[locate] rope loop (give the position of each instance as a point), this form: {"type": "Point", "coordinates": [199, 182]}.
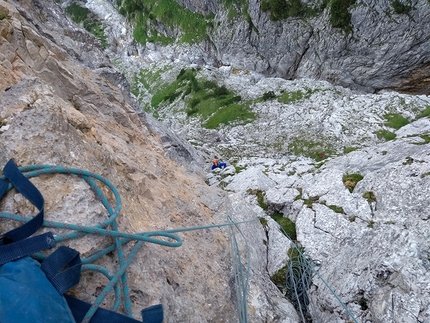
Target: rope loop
{"type": "Point", "coordinates": [109, 228]}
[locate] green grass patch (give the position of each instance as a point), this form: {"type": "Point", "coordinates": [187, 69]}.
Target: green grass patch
{"type": "Point", "coordinates": [236, 8]}
{"type": "Point", "coordinates": [423, 114]}
{"type": "Point", "coordinates": [426, 139]}
{"type": "Point", "coordinates": [369, 196]}
{"type": "Point", "coordinates": [317, 150]}
{"type": "Point", "coordinates": [150, 13]}
{"type": "Point", "coordinates": [290, 97]}
{"type": "Point", "coordinates": [260, 198]}
{"type": "Point", "coordinates": [149, 79]}
{"type": "Point", "coordinates": [385, 134]}
{"type": "Point", "coordinates": [144, 33]}
{"type": "Point", "coordinates": [310, 201]}
{"type": "Point", "coordinates": [395, 121]}
{"type": "Point", "coordinates": [83, 16]}
{"type": "Point", "coordinates": [347, 150]}
{"type": "Point", "coordinates": [279, 278]}
{"type": "Point", "coordinates": [336, 208]}
{"type": "Point", "coordinates": [288, 226]}
{"type": "Point", "coordinates": [299, 197]}
{"type": "Point", "coordinates": [351, 180]}
{"type": "Point", "coordinates": [239, 168]}
{"type": "Point", "coordinates": [213, 104]}
{"type": "Point", "coordinates": [233, 113]}
{"type": "Point", "coordinates": [425, 174]}
{"type": "Point", "coordinates": [408, 160]}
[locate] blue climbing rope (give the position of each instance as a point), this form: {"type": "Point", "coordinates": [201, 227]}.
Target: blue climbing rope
{"type": "Point", "coordinates": [241, 270]}
{"type": "Point", "coordinates": [109, 228]}
{"type": "Point", "coordinates": [298, 280]}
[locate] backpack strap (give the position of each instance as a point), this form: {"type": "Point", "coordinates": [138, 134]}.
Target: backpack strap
{"type": "Point", "coordinates": [31, 193]}
{"type": "Point", "coordinates": [153, 314]}
{"type": "Point", "coordinates": [15, 243]}
{"type": "Point", "coordinates": [63, 268]}
{"type": "Point", "coordinates": [26, 247]}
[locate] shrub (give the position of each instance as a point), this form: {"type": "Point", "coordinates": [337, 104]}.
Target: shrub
{"type": "Point", "coordinates": [194, 102]}
{"type": "Point", "coordinates": [270, 95]}
{"type": "Point", "coordinates": [339, 14]}
{"type": "Point", "coordinates": [214, 104]}
{"type": "Point", "coordinates": [192, 111]}
{"type": "Point", "coordinates": [263, 222]}
{"type": "Point", "coordinates": [81, 15]}
{"type": "Point", "coordinates": [351, 180]}
{"type": "Point", "coordinates": [408, 160]}
{"type": "Point", "coordinates": [401, 8]}
{"type": "Point", "coordinates": [425, 174]}
{"type": "Point", "coordinates": [283, 9]}
{"type": "Point", "coordinates": [363, 304]}
{"type": "Point", "coordinates": [209, 84]}
{"type": "Point", "coordinates": [369, 196]}
{"type": "Point", "coordinates": [222, 90]}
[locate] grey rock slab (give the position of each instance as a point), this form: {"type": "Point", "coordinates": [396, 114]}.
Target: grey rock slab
{"type": "Point", "coordinates": [252, 178]}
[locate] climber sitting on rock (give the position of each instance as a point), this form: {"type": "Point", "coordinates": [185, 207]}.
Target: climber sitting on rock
{"type": "Point", "coordinates": [218, 164]}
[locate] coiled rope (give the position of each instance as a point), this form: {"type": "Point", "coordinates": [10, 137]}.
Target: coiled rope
{"type": "Point", "coordinates": [298, 280]}
{"type": "Point", "coordinates": [109, 228]}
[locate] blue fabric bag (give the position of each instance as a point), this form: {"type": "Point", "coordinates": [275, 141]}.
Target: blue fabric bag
{"type": "Point", "coordinates": [26, 295]}
{"type": "Point", "coordinates": [31, 292]}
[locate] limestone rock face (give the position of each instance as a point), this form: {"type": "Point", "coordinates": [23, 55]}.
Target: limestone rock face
{"type": "Point", "coordinates": [369, 245]}
{"type": "Point", "coordinates": [381, 48]}
{"type": "Point", "coordinates": [378, 242]}
{"type": "Point", "coordinates": [62, 103]}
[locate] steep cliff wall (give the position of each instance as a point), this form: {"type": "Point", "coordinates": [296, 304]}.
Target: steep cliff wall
{"type": "Point", "coordinates": [367, 45]}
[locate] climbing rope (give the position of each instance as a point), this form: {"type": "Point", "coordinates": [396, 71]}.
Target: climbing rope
{"type": "Point", "coordinates": [241, 276]}
{"type": "Point", "coordinates": [299, 276]}
{"type": "Point", "coordinates": [109, 228]}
